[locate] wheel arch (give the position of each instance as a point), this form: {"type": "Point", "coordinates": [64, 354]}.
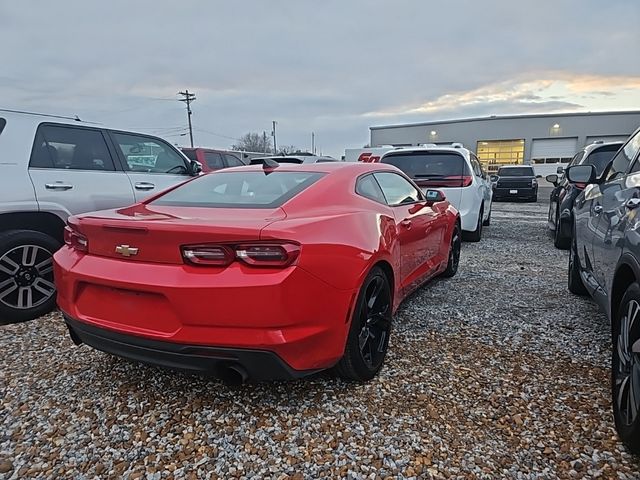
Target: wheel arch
{"type": "Point", "coordinates": [43, 222]}
{"type": "Point", "coordinates": [627, 272]}
{"type": "Point", "coordinates": [386, 267]}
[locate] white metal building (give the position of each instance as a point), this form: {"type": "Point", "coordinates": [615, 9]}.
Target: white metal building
{"type": "Point", "coordinates": [545, 139]}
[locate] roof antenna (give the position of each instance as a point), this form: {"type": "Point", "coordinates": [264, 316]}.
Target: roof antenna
{"type": "Point", "coordinates": [77, 119]}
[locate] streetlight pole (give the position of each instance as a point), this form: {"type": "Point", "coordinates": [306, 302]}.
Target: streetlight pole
{"type": "Point", "coordinates": [275, 144]}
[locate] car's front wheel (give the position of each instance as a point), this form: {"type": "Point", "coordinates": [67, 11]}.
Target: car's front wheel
{"type": "Point", "coordinates": [454, 252]}
{"type": "Point", "coordinates": [574, 281]}
{"type": "Point", "coordinates": [27, 290]}
{"type": "Point", "coordinates": [625, 369]}
{"type": "Point", "coordinates": [368, 337]}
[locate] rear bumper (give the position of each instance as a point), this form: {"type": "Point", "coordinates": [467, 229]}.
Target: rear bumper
{"type": "Point", "coordinates": [258, 364]}
{"type": "Point", "coordinates": [520, 193]}
{"type": "Point", "coordinates": [290, 313]}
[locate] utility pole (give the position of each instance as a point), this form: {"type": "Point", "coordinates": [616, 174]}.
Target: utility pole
{"type": "Point", "coordinates": [275, 144]}
{"type": "Point", "coordinates": [264, 141]}
{"type": "Point", "coordinates": [188, 98]}
{"type": "Point", "coordinates": [313, 143]}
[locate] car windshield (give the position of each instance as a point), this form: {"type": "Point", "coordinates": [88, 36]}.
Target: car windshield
{"type": "Point", "coordinates": [601, 157]}
{"type": "Point", "coordinates": [516, 172]}
{"type": "Point", "coordinates": [253, 189]}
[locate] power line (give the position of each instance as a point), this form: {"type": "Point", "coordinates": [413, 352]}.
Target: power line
{"type": "Point", "coordinates": [188, 98]}
{"type": "Point", "coordinates": [217, 134]}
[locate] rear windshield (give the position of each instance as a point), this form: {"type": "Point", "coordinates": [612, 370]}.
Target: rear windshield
{"type": "Point", "coordinates": [431, 169]}
{"type": "Point", "coordinates": [516, 172]}
{"type": "Point", "coordinates": [601, 157]}
{"type": "Point", "coordinates": [190, 154]}
{"type": "Point", "coordinates": [239, 190]}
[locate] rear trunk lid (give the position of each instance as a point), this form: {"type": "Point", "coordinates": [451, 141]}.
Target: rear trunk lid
{"type": "Point", "coordinates": [145, 233]}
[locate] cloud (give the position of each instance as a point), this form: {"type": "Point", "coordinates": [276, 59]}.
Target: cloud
{"type": "Point", "coordinates": [331, 67]}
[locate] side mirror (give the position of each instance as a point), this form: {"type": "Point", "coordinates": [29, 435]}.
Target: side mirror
{"type": "Point", "coordinates": [434, 196]}
{"type": "Point", "coordinates": [559, 170]}
{"type": "Point", "coordinates": [196, 167]}
{"type": "Point", "coordinates": [552, 179]}
{"type": "Point", "coordinates": [493, 178]}
{"type": "Point", "coordinates": [581, 174]}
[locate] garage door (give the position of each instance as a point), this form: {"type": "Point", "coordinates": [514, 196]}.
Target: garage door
{"type": "Point", "coordinates": [554, 148]}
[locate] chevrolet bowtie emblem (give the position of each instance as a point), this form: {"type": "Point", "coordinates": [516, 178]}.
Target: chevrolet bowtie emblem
{"type": "Point", "coordinates": [126, 250]}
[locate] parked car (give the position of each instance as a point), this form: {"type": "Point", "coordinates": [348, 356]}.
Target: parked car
{"type": "Point", "coordinates": [212, 160]}
{"type": "Point", "coordinates": [53, 167]}
{"type": "Point", "coordinates": [560, 217]}
{"type": "Point", "coordinates": [265, 272]}
{"type": "Point", "coordinates": [604, 261]}
{"type": "Point", "coordinates": [454, 170]}
{"type": "Point", "coordinates": [298, 158]}
{"type": "Point", "coordinates": [515, 182]}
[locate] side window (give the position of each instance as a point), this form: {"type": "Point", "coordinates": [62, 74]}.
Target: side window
{"type": "Point", "coordinates": [70, 148]}
{"type": "Point", "coordinates": [577, 158]}
{"type": "Point", "coordinates": [233, 161]}
{"type": "Point", "coordinates": [368, 187]}
{"type": "Point", "coordinates": [213, 160]}
{"type": "Point", "coordinates": [396, 189]}
{"type": "Point", "coordinates": [145, 154]}
{"type": "Point", "coordinates": [482, 172]}
{"type": "Point", "coordinates": [623, 158]}
{"type": "Point", "coordinates": [476, 167]}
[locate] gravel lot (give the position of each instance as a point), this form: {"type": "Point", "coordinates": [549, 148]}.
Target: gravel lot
{"type": "Point", "coordinates": [497, 373]}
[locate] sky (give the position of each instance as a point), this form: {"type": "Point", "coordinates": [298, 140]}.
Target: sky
{"type": "Point", "coordinates": [333, 67]}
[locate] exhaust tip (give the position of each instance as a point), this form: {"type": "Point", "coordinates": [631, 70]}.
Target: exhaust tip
{"type": "Point", "coordinates": [233, 374]}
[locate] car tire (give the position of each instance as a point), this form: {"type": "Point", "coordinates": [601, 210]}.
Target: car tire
{"type": "Point", "coordinates": [559, 241]}
{"type": "Point", "coordinates": [574, 281]}
{"type": "Point", "coordinates": [487, 222]}
{"type": "Point", "coordinates": [26, 275]}
{"type": "Point", "coordinates": [476, 235]}
{"type": "Point", "coordinates": [625, 369]}
{"type": "Point", "coordinates": [368, 338]}
{"type": "Point", "coordinates": [454, 252]}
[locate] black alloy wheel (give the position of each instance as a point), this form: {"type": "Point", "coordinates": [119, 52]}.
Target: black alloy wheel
{"type": "Point", "coordinates": [574, 280]}
{"type": "Point", "coordinates": [625, 369]}
{"type": "Point", "coordinates": [454, 252]}
{"type": "Point", "coordinates": [368, 337]}
{"type": "Point", "coordinates": [27, 289]}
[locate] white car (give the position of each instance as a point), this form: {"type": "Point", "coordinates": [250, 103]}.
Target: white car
{"type": "Point", "coordinates": [455, 171]}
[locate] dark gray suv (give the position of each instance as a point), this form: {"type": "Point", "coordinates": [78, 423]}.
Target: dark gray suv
{"type": "Point", "coordinates": [604, 262]}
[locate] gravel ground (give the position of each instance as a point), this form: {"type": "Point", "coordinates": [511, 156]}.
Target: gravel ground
{"type": "Point", "coordinates": [496, 373]}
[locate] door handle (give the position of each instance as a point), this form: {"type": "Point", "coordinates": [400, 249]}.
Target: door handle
{"type": "Point", "coordinates": [406, 224]}
{"type": "Point", "coordinates": [598, 209]}
{"type": "Point", "coordinates": [58, 186]}
{"type": "Point", "coordinates": [632, 203]}
{"type": "Point", "coordinates": [144, 186]}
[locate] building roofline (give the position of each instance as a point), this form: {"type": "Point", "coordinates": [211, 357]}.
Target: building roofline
{"type": "Point", "coordinates": [506, 117]}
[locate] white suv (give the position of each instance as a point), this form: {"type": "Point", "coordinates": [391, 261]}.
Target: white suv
{"type": "Point", "coordinates": [53, 167]}
{"type": "Point", "coordinates": [455, 171]}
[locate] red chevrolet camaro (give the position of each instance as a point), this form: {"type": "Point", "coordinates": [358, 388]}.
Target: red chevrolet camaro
{"type": "Point", "coordinates": [261, 272]}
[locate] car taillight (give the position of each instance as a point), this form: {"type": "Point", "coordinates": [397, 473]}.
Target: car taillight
{"type": "Point", "coordinates": [258, 254]}
{"type": "Point", "coordinates": [581, 186]}
{"type": "Point", "coordinates": [75, 239]}
{"type": "Point", "coordinates": [214, 255]}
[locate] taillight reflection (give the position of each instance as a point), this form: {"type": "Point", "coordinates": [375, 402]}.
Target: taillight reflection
{"type": "Point", "coordinates": [257, 255]}
{"type": "Point", "coordinates": [75, 239]}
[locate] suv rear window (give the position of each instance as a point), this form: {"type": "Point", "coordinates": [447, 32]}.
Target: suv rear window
{"type": "Point", "coordinates": [516, 172]}
{"type": "Point", "coordinates": [239, 190]}
{"type": "Point", "coordinates": [432, 169]}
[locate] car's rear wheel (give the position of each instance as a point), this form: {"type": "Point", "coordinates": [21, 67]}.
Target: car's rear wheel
{"type": "Point", "coordinates": [454, 253]}
{"type": "Point", "coordinates": [476, 235]}
{"type": "Point", "coordinates": [574, 281]}
{"type": "Point", "coordinates": [368, 337]}
{"type": "Point", "coordinates": [625, 369]}
{"type": "Point", "coordinates": [559, 241]}
{"type": "Point", "coordinates": [27, 290]}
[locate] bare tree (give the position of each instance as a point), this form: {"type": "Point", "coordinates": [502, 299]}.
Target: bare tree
{"type": "Point", "coordinates": [289, 150]}
{"type": "Point", "coordinates": [253, 142]}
